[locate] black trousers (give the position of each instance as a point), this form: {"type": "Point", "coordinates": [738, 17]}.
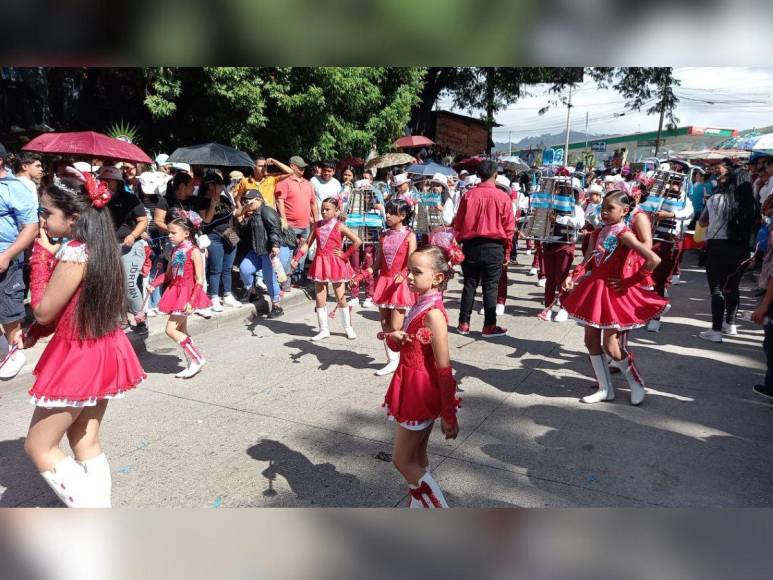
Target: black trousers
{"type": "Point", "coordinates": [724, 269]}
{"type": "Point", "coordinates": [483, 259]}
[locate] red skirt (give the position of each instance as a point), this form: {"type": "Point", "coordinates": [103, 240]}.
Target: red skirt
{"type": "Point", "coordinates": [412, 396]}
{"type": "Point", "coordinates": [593, 303]}
{"type": "Point", "coordinates": [330, 269]}
{"type": "Point", "coordinates": [387, 294]}
{"type": "Point", "coordinates": [81, 372]}
{"type": "Point", "coordinates": [177, 296]}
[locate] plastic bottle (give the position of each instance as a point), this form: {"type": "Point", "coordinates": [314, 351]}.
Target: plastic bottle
{"type": "Point", "coordinates": [279, 270]}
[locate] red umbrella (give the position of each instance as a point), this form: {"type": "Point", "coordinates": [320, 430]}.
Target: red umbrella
{"type": "Point", "coordinates": [87, 143]}
{"type": "Point", "coordinates": [470, 164]}
{"type": "Point", "coordinates": [412, 141]}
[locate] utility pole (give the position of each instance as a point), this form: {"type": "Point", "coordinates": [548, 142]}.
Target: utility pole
{"type": "Point", "coordinates": [568, 115]}
{"type": "Point", "coordinates": [510, 140]}
{"type": "Point", "coordinates": [660, 124]}
{"type": "Point", "coordinates": [586, 130]}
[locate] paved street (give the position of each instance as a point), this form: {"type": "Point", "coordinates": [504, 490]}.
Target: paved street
{"type": "Point", "coordinates": [276, 420]}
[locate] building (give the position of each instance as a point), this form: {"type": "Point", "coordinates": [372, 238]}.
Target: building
{"type": "Point", "coordinates": [462, 135]}
{"type": "Point", "coordinates": [642, 145]}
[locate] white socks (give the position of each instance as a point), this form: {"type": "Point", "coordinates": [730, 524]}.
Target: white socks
{"type": "Point", "coordinates": [632, 377]}
{"type": "Point", "coordinates": [427, 494]}
{"type": "Point", "coordinates": [393, 359]}
{"type": "Point", "coordinates": [100, 482]}
{"type": "Point", "coordinates": [324, 329]}
{"type": "Point", "coordinates": [346, 319]}
{"type": "Point", "coordinates": [606, 391]}
{"type": "Point", "coordinates": [69, 482]}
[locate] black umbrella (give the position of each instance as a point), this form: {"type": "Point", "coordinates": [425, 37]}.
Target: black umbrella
{"type": "Point", "coordinates": [211, 154]}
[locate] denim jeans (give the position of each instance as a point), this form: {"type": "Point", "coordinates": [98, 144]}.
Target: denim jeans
{"type": "Point", "coordinates": [220, 261]}
{"type": "Point", "coordinates": [303, 232]}
{"type": "Point", "coordinates": [251, 264]}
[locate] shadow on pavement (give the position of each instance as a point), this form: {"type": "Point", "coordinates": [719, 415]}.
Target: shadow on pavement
{"type": "Point", "coordinates": [24, 486]}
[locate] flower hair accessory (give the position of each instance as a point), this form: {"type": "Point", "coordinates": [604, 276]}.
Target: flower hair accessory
{"type": "Point", "coordinates": [190, 216]}
{"type": "Point", "coordinates": [98, 192]}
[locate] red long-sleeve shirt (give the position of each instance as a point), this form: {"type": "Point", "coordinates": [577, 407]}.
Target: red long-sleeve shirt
{"type": "Point", "coordinates": [485, 212]}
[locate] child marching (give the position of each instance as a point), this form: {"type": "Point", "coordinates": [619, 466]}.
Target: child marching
{"type": "Point", "coordinates": [330, 266]}
{"type": "Point", "coordinates": [612, 300]}
{"type": "Point", "coordinates": [185, 288]}
{"type": "Point", "coordinates": [391, 293]}
{"type": "Point", "coordinates": [77, 292]}
{"type": "Point", "coordinates": [423, 387]}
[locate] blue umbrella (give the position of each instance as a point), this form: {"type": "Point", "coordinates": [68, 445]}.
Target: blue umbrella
{"type": "Point", "coordinates": [430, 169]}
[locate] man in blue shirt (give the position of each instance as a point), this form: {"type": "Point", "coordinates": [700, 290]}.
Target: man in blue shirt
{"type": "Point", "coordinates": [18, 229]}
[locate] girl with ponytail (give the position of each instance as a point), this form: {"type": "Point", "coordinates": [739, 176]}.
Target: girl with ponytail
{"type": "Point", "coordinates": [77, 292]}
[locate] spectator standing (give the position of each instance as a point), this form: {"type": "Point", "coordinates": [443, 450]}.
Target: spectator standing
{"type": "Point", "coordinates": [326, 185]}
{"type": "Point", "coordinates": [30, 171]}
{"type": "Point", "coordinates": [297, 205]}
{"type": "Point", "coordinates": [264, 182]}
{"type": "Point", "coordinates": [18, 229]}
{"type": "Point", "coordinates": [484, 225]}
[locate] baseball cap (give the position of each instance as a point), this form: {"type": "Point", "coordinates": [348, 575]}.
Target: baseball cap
{"type": "Point", "coordinates": [236, 175]}
{"type": "Point", "coordinates": [149, 182]}
{"type": "Point", "coordinates": [400, 178]}
{"type": "Point", "coordinates": [161, 159]}
{"type": "Point", "coordinates": [110, 172]}
{"type": "Point", "coordinates": [297, 160]}
{"type": "Point", "coordinates": [181, 167]}
{"type": "Point", "coordinates": [251, 194]}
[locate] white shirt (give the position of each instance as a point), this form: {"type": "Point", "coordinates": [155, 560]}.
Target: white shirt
{"type": "Point", "coordinates": [28, 183]}
{"type": "Point", "coordinates": [766, 190]}
{"type": "Point", "coordinates": [325, 189]}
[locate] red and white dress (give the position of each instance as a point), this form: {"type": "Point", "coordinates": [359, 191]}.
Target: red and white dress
{"type": "Point", "coordinates": [326, 266]}
{"type": "Point", "coordinates": [594, 303]}
{"type": "Point", "coordinates": [182, 288]}
{"type": "Point", "coordinates": [414, 395]}
{"type": "Point", "coordinates": [394, 260]}
{"type": "Point", "coordinates": [74, 371]}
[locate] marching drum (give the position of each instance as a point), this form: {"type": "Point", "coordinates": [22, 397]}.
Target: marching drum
{"type": "Point", "coordinates": [555, 197]}
{"type": "Point", "coordinates": [667, 194]}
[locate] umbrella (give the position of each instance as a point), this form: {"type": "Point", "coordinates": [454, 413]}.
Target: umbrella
{"type": "Point", "coordinates": [87, 143]}
{"type": "Point", "coordinates": [513, 163]}
{"type": "Point", "coordinates": [389, 160]}
{"type": "Point", "coordinates": [412, 141]}
{"type": "Point", "coordinates": [430, 169]}
{"type": "Point", "coordinates": [211, 154]}
{"type": "Point", "coordinates": [470, 164]}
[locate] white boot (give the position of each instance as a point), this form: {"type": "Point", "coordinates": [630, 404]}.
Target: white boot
{"type": "Point", "coordinates": [68, 480]}
{"type": "Point", "coordinates": [197, 359]}
{"type": "Point", "coordinates": [430, 493]}
{"type": "Point", "coordinates": [606, 391]}
{"type": "Point", "coordinates": [346, 320]}
{"type": "Point", "coordinates": [98, 475]}
{"type": "Point", "coordinates": [324, 330]}
{"type": "Point", "coordinates": [182, 373]}
{"type": "Point", "coordinates": [391, 366]}
{"type": "Point", "coordinates": [631, 374]}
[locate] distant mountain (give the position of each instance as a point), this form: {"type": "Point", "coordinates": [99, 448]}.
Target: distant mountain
{"type": "Point", "coordinates": [544, 140]}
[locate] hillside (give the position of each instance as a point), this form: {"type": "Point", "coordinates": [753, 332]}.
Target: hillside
{"type": "Point", "coordinates": [545, 139]}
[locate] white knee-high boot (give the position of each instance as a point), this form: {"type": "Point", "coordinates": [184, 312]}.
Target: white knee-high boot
{"type": "Point", "coordinates": [324, 329]}
{"type": "Point", "coordinates": [606, 391]}
{"type": "Point", "coordinates": [346, 320]}
{"type": "Point", "coordinates": [68, 481]}
{"type": "Point", "coordinates": [633, 378]}
{"type": "Point", "coordinates": [393, 359]}
{"type": "Point", "coordinates": [100, 481]}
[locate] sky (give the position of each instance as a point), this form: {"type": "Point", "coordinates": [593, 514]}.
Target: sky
{"type": "Point", "coordinates": [738, 98]}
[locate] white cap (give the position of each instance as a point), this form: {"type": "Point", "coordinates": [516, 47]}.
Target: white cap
{"type": "Point", "coordinates": [361, 183]}
{"type": "Point", "coordinates": [502, 180]}
{"type": "Point", "coordinates": [181, 167]}
{"type": "Point", "coordinates": [471, 180]}
{"type": "Point", "coordinates": [149, 182]}
{"type": "Point", "coordinates": [440, 178]}
{"type": "Point", "coordinates": [110, 172]}
{"type": "Point", "coordinates": [515, 186]}
{"type": "Point", "coordinates": [595, 188]}
{"type": "Point", "coordinates": [576, 184]}
{"type": "Point", "coordinates": [400, 178]}
{"type": "Point", "coordinates": [161, 159]}
{"type": "Point", "coordinates": [82, 166]}
{"type": "Point", "coordinates": [463, 172]}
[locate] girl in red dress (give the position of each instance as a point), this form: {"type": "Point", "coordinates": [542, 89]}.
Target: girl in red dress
{"type": "Point", "coordinates": [185, 288]}
{"type": "Point", "coordinates": [612, 299]}
{"type": "Point", "coordinates": [77, 292]}
{"type": "Point", "coordinates": [423, 387]}
{"type": "Point", "coordinates": [391, 293]}
{"type": "Point", "coordinates": [330, 265]}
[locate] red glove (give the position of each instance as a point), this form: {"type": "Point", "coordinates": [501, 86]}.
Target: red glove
{"type": "Point", "coordinates": [448, 399]}
{"type": "Point", "coordinates": [637, 278]}
{"type": "Point", "coordinates": [198, 290]}
{"type": "Point", "coordinates": [41, 269]}
{"type": "Point", "coordinates": [348, 253]}
{"type": "Point", "coordinates": [579, 272]}
{"type": "Point", "coordinates": [391, 344]}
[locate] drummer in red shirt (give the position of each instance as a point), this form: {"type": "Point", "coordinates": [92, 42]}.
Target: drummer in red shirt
{"type": "Point", "coordinates": [484, 225]}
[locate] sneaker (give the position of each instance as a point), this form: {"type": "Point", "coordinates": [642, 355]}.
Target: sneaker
{"type": "Point", "coordinates": [205, 313]}
{"type": "Point", "coordinates": [13, 365]}
{"type": "Point", "coordinates": [368, 303]}
{"type": "Point", "coordinates": [354, 302]}
{"type": "Point", "coordinates": [217, 306]}
{"type": "Point", "coordinates": [193, 369]}
{"type": "Point", "coordinates": [350, 334]}
{"type": "Point", "coordinates": [276, 311]}
{"type": "Point", "coordinates": [763, 391]}
{"type": "Point", "coordinates": [711, 335]}
{"type": "Point", "coordinates": [541, 282]}
{"type": "Point", "coordinates": [152, 312]}
{"type": "Point", "coordinates": [463, 328]}
{"type": "Point", "coordinates": [653, 325]}
{"type": "Point", "coordinates": [729, 329]}
{"type": "Point", "coordinates": [500, 309]}
{"type": "Point", "coordinates": [547, 317]}
{"type": "Point", "coordinates": [676, 279]}
{"type": "Point", "coordinates": [141, 329]}
{"type": "Point", "coordinates": [561, 316]}
{"type": "Point", "coordinates": [229, 300]}
{"type": "Point", "coordinates": [532, 271]}
{"type": "Point", "coordinates": [493, 330]}
{"type": "Point", "coordinates": [261, 284]}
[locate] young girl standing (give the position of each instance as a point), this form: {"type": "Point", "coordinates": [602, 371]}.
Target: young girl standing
{"type": "Point", "coordinates": [612, 300]}
{"type": "Point", "coordinates": [185, 288]}
{"type": "Point", "coordinates": [391, 293]}
{"type": "Point", "coordinates": [78, 292]}
{"type": "Point", "coordinates": [423, 387]}
{"type": "Point", "coordinates": [330, 265]}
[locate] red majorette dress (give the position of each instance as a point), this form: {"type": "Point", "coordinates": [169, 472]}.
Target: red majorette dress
{"type": "Point", "coordinates": [327, 267]}
{"type": "Point", "coordinates": [394, 260]}
{"type": "Point", "coordinates": [74, 371]}
{"type": "Point", "coordinates": [637, 261]}
{"type": "Point", "coordinates": [593, 303]}
{"type": "Point", "coordinates": [182, 288]}
{"type": "Point", "coordinates": [420, 393]}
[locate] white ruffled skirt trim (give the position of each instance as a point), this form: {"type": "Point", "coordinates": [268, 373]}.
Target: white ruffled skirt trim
{"type": "Point", "coordinates": [47, 403]}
